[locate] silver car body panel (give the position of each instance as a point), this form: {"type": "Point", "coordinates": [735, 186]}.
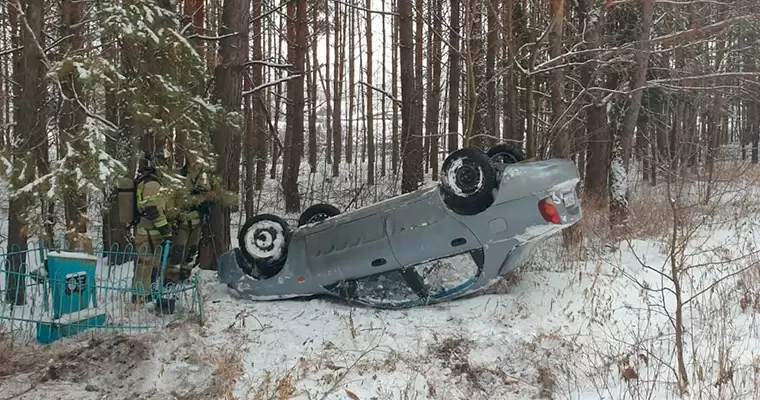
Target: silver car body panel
{"type": "Point", "coordinates": [418, 231]}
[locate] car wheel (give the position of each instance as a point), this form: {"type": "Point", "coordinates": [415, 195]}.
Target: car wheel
{"type": "Point", "coordinates": [468, 179]}
{"type": "Point", "coordinates": [317, 213]}
{"type": "Point", "coordinates": [505, 154]}
{"type": "Point", "coordinates": [264, 240]}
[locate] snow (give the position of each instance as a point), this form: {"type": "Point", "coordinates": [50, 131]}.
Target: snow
{"type": "Point", "coordinates": [80, 317]}
{"type": "Point", "coordinates": [619, 179]}
{"type": "Point", "coordinates": [566, 324]}
{"type": "Point", "coordinates": [261, 243]}
{"type": "Point", "coordinates": [569, 184]}
{"type": "Point", "coordinates": [533, 232]}
{"type": "Point", "coordinates": [449, 178]}
{"type": "Point", "coordinates": [513, 172]}
{"type": "Point", "coordinates": [72, 255]}
{"type": "Point", "coordinates": [572, 321]}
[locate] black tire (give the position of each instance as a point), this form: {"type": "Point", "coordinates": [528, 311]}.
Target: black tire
{"type": "Point", "coordinates": [505, 154]}
{"type": "Point", "coordinates": [317, 213]}
{"type": "Point", "coordinates": [468, 180]}
{"type": "Point", "coordinates": [263, 240]}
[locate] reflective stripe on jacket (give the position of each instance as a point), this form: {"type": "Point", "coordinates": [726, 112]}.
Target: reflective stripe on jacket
{"type": "Point", "coordinates": [152, 207]}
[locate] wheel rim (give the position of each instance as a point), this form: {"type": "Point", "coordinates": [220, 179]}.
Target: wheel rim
{"type": "Point", "coordinates": [317, 218]}
{"type": "Point", "coordinates": [468, 178]}
{"type": "Point", "coordinates": [264, 240]}
{"type": "Point", "coordinates": [503, 158]}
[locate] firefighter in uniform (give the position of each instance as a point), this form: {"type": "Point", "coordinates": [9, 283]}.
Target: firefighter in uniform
{"type": "Point", "coordinates": [187, 223]}
{"type": "Point", "coordinates": [152, 231]}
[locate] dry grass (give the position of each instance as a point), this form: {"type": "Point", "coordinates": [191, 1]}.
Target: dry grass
{"type": "Point", "coordinates": [229, 368]}
{"type": "Point", "coordinates": [649, 217]}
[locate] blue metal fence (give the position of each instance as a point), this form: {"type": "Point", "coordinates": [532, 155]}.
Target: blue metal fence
{"type": "Point", "coordinates": [49, 294]}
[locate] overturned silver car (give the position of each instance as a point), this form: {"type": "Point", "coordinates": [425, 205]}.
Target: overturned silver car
{"type": "Point", "coordinates": [482, 220]}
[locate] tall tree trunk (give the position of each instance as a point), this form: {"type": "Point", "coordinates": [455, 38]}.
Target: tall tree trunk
{"type": "Point", "coordinates": [351, 17]}
{"type": "Point", "coordinates": [276, 48]}
{"type": "Point", "coordinates": [30, 131]}
{"type": "Point", "coordinates": [297, 33]}
{"type": "Point", "coordinates": [228, 92]}
{"type": "Point", "coordinates": [383, 152]}
{"type": "Point", "coordinates": [338, 92]}
{"type": "Point", "coordinates": [258, 103]}
{"type": "Point", "coordinates": [419, 84]}
{"type": "Point", "coordinates": [193, 13]}
{"type": "Point", "coordinates": [429, 85]}
{"type": "Point", "coordinates": [619, 186]}
{"type": "Point", "coordinates": [479, 110]}
{"type": "Point", "coordinates": [492, 47]}
{"type": "Point", "coordinates": [530, 86]}
{"type": "Point", "coordinates": [115, 235]}
{"type": "Point", "coordinates": [453, 78]}
{"type": "Point", "coordinates": [411, 141]}
{"type": "Point", "coordinates": [510, 129]}
{"type": "Point", "coordinates": [249, 142]}
{"type": "Point", "coordinates": [434, 89]}
{"type": "Point", "coordinates": [5, 85]}
{"type": "Point", "coordinates": [370, 120]}
{"type": "Point", "coordinates": [597, 157]}
{"type": "Point", "coordinates": [72, 116]}
{"type": "Point", "coordinates": [314, 65]}
{"type": "Point", "coordinates": [394, 91]}
{"type": "Point", "coordinates": [328, 97]}
{"type": "Point", "coordinates": [560, 135]}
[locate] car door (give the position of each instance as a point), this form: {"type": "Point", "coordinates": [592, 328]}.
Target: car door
{"type": "Point", "coordinates": [422, 231]}
{"type": "Point", "coordinates": [350, 249]}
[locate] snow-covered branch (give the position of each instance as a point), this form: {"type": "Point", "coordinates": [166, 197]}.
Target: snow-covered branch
{"type": "Point", "coordinates": [268, 64]}
{"type": "Point", "coordinates": [269, 84]}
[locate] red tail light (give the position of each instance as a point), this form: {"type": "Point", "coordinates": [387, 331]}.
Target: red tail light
{"type": "Point", "coordinates": [549, 211]}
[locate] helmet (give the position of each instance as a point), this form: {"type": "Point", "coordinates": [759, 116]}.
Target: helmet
{"type": "Point", "coordinates": [151, 161]}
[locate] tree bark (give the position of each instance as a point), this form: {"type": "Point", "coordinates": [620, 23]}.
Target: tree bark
{"type": "Point", "coordinates": [351, 17]}
{"type": "Point", "coordinates": [383, 152]}
{"type": "Point", "coordinates": [337, 129]}
{"type": "Point", "coordinates": [394, 92]}
{"type": "Point", "coordinates": [228, 93]}
{"type": "Point", "coordinates": [511, 121]}
{"type": "Point", "coordinates": [28, 104]}
{"type": "Point", "coordinates": [72, 116]}
{"type": "Point", "coordinates": [560, 136]}
{"type": "Point", "coordinates": [298, 31]}
{"type": "Point", "coordinates": [314, 64]}
{"type": "Point", "coordinates": [479, 110]}
{"type": "Point", "coordinates": [258, 102]}
{"type": "Point", "coordinates": [453, 78]}
{"type": "Point", "coordinates": [434, 89]}
{"type": "Point", "coordinates": [193, 13]}
{"type": "Point", "coordinates": [492, 47]}
{"type": "Point", "coordinates": [328, 97]}
{"type": "Point", "coordinates": [419, 86]}
{"type": "Point", "coordinates": [370, 118]}
{"type": "Point", "coordinates": [410, 137]}
{"type": "Point", "coordinates": [249, 145]}
{"type": "Point", "coordinates": [619, 186]}
{"type": "Point", "coordinates": [597, 151]}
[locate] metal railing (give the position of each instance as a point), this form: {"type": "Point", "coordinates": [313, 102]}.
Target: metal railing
{"type": "Point", "coordinates": [49, 294]}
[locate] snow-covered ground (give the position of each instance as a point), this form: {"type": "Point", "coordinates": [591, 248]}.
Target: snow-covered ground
{"type": "Point", "coordinates": [582, 324]}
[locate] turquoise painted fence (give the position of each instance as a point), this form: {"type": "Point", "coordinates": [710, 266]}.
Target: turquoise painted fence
{"type": "Point", "coordinates": [48, 294]}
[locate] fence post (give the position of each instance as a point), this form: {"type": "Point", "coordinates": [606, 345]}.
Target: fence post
{"type": "Point", "coordinates": [199, 294]}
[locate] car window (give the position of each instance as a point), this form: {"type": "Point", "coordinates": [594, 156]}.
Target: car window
{"type": "Point", "coordinates": [448, 274]}
{"type": "Point", "coordinates": [414, 286]}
